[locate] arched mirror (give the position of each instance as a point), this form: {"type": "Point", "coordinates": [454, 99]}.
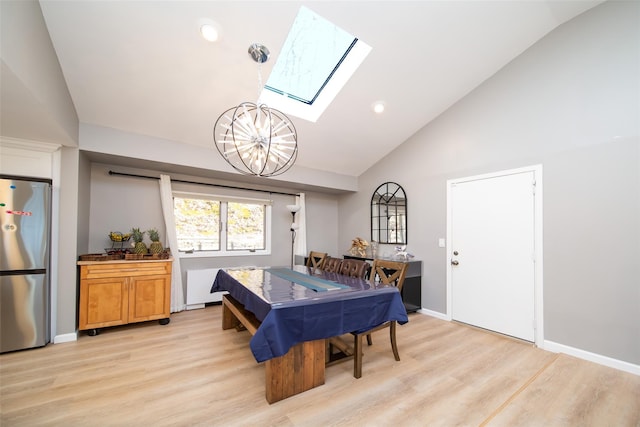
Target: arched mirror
{"type": "Point", "coordinates": [389, 214]}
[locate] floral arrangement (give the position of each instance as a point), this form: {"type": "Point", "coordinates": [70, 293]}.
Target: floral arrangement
{"type": "Point", "coordinates": [359, 247]}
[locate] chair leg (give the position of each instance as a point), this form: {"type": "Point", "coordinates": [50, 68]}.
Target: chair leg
{"type": "Point", "coordinates": [369, 341]}
{"type": "Point", "coordinates": [392, 334]}
{"type": "Point", "coordinates": [357, 357]}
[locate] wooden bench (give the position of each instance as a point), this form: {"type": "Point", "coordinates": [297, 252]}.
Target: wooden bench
{"type": "Point", "coordinates": [301, 369]}
{"type": "Point", "coordinates": [234, 315]}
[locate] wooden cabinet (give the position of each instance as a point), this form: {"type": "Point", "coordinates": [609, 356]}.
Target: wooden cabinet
{"type": "Point", "coordinates": [120, 292]}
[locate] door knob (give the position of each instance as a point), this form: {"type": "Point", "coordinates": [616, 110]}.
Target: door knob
{"type": "Point", "coordinates": [454, 262]}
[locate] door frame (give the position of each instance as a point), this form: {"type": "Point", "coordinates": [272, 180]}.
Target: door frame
{"type": "Point", "coordinates": [538, 277]}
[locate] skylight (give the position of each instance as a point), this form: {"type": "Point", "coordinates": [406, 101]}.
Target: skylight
{"type": "Point", "coordinates": [316, 61]}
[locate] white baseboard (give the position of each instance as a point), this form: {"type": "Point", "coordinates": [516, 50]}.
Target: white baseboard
{"type": "Point", "coordinates": [565, 349]}
{"type": "Point", "coordinates": [432, 313]}
{"type": "Point", "coordinates": [65, 338]}
{"type": "Point", "coordinates": [592, 357]}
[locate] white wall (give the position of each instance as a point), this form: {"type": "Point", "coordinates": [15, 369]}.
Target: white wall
{"type": "Point", "coordinates": [571, 103]}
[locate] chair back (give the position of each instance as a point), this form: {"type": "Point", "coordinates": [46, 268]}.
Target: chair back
{"type": "Point", "coordinates": [332, 265]}
{"type": "Point", "coordinates": [389, 272]}
{"type": "Point", "coordinates": [316, 259]}
{"type": "Point", "coordinates": [355, 268]}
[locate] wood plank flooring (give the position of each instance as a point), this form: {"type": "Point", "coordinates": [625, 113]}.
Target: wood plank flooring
{"type": "Point", "coordinates": [193, 373]}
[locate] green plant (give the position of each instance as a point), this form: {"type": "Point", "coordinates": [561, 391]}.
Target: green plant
{"type": "Point", "coordinates": [138, 236]}
{"type": "Point", "coordinates": [156, 246]}
{"type": "Point", "coordinates": [153, 234]}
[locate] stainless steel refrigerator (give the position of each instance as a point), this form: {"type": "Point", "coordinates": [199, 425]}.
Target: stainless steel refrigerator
{"type": "Point", "coordinates": [25, 217]}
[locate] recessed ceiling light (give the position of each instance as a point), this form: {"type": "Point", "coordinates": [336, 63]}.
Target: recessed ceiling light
{"type": "Point", "coordinates": [209, 29]}
{"type": "Point", "coordinates": [209, 32]}
{"type": "Point", "coordinates": [378, 107]}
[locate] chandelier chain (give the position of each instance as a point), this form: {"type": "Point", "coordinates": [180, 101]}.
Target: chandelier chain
{"type": "Point", "coordinates": [259, 82]}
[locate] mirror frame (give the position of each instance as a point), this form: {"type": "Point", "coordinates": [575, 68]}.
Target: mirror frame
{"type": "Point", "coordinates": [389, 214]}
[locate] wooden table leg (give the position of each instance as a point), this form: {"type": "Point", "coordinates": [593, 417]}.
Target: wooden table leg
{"type": "Point", "coordinates": [301, 369]}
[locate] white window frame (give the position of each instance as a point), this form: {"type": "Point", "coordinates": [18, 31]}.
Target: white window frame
{"type": "Point", "coordinates": [223, 252]}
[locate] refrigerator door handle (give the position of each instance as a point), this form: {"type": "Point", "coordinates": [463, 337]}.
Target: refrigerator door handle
{"type": "Point", "coordinates": [22, 272]}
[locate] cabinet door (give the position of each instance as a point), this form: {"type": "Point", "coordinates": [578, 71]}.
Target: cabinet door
{"type": "Point", "coordinates": [103, 302]}
{"type": "Point", "coordinates": [149, 297]}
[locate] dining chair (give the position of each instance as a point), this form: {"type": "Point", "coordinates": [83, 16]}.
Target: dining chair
{"type": "Point", "coordinates": [390, 273]}
{"type": "Point", "coordinates": [331, 264]}
{"type": "Point", "coordinates": [354, 268]}
{"type": "Point", "coordinates": [316, 259]}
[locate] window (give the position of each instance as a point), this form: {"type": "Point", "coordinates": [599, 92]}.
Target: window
{"type": "Point", "coordinates": [316, 61]}
{"type": "Point", "coordinates": [245, 226]}
{"type": "Point", "coordinates": [197, 224]}
{"type": "Point", "coordinates": [221, 226]}
{"type": "Point", "coordinates": [312, 52]}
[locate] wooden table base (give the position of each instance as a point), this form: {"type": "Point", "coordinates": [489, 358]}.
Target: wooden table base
{"type": "Point", "coordinates": [301, 369]}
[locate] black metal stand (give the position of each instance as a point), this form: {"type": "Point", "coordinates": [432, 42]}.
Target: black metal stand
{"type": "Point", "coordinates": [293, 237]}
{"type": "Point", "coordinates": [293, 242]}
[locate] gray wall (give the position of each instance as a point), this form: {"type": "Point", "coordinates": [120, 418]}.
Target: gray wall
{"type": "Point", "coordinates": [84, 203]}
{"type": "Point", "coordinates": [34, 99]}
{"type": "Point", "coordinates": [119, 203]}
{"type": "Point", "coordinates": [68, 242]}
{"type": "Point", "coordinates": [571, 103]}
{"type": "Point", "coordinates": [187, 158]}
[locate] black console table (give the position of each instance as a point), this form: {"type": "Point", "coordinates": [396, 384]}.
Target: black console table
{"type": "Point", "coordinates": [411, 290]}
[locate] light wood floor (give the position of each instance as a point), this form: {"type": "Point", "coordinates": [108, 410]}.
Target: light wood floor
{"type": "Point", "coordinates": [190, 372]}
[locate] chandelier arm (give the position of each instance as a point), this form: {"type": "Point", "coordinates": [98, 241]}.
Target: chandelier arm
{"type": "Point", "coordinates": [281, 139]}
{"type": "Point", "coordinates": [244, 143]}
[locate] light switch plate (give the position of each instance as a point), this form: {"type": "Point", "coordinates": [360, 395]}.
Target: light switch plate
{"type": "Point", "coordinates": [441, 243]}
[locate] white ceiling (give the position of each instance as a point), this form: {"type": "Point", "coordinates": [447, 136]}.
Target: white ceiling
{"type": "Point", "coordinates": [142, 67]}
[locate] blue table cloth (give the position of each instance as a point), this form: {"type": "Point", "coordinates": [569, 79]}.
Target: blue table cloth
{"type": "Point", "coordinates": [293, 312]}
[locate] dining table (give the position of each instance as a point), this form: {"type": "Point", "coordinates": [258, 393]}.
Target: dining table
{"type": "Point", "coordinates": [292, 311]}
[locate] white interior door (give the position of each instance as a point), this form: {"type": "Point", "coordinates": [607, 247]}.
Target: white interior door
{"type": "Point", "coordinates": [492, 253]}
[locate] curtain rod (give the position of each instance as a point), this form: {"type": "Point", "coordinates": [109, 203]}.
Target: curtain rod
{"type": "Point", "coordinates": [202, 183]}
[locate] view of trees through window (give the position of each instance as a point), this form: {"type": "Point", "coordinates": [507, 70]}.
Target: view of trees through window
{"type": "Point", "coordinates": [198, 225]}
{"type": "Point", "coordinates": [245, 226]}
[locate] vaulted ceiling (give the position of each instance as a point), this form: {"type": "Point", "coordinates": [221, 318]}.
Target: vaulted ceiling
{"type": "Point", "coordinates": [142, 66]}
